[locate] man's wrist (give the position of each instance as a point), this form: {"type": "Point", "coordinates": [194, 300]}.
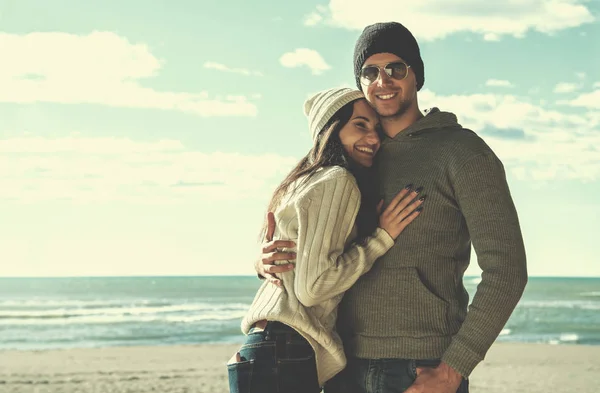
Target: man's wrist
{"type": "Point", "coordinates": [451, 373]}
{"type": "Point", "coordinates": [461, 358]}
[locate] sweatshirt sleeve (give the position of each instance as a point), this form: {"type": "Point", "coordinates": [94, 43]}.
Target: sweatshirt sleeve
{"type": "Point", "coordinates": [484, 198]}
{"type": "Point", "coordinates": [326, 216]}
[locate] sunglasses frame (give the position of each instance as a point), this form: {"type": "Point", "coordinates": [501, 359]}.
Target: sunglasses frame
{"type": "Point", "coordinates": [382, 67]}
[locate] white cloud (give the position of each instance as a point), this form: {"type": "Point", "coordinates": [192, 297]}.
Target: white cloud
{"type": "Point", "coordinates": [105, 169]}
{"type": "Point", "coordinates": [580, 75]}
{"type": "Point", "coordinates": [222, 67]}
{"type": "Point", "coordinates": [492, 37]}
{"type": "Point", "coordinates": [566, 87]}
{"type": "Point", "coordinates": [586, 100]}
{"type": "Point", "coordinates": [316, 17]}
{"type": "Point", "coordinates": [99, 68]}
{"type": "Point", "coordinates": [435, 19]}
{"type": "Point", "coordinates": [312, 19]}
{"type": "Point", "coordinates": [305, 57]}
{"type": "Point", "coordinates": [533, 142]}
{"type": "Point", "coordinates": [597, 84]}
{"type": "Point", "coordinates": [498, 83]}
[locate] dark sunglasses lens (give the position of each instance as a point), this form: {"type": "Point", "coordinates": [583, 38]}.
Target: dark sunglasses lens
{"type": "Point", "coordinates": [369, 74]}
{"type": "Point", "coordinates": [396, 70]}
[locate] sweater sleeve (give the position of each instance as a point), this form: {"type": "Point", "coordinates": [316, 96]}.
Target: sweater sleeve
{"type": "Point", "coordinates": [326, 216]}
{"type": "Point", "coordinates": [485, 201]}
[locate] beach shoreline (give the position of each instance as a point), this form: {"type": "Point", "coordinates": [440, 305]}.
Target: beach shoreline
{"type": "Point", "coordinates": [508, 367]}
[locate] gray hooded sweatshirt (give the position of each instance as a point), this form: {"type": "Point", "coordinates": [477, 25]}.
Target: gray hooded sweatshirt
{"type": "Point", "coordinates": [412, 304]}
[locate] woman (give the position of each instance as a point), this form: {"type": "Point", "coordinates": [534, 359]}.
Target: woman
{"type": "Point", "coordinates": [327, 205]}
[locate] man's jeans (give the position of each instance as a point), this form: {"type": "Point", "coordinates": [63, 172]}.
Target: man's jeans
{"type": "Point", "coordinates": [380, 376]}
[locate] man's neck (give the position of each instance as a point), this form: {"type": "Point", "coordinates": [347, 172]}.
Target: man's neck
{"type": "Point", "coordinates": [394, 125]}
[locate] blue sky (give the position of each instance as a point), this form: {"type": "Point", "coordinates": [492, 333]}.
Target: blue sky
{"type": "Point", "coordinates": [145, 139]}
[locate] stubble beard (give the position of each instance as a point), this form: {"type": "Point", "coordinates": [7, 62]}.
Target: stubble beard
{"type": "Point", "coordinates": [403, 107]}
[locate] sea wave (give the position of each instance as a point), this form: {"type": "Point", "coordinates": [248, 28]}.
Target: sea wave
{"type": "Point", "coordinates": [88, 303]}
{"type": "Point", "coordinates": [206, 317]}
{"type": "Point", "coordinates": [121, 310]}
{"type": "Point", "coordinates": [118, 319]}
{"type": "Point", "coordinates": [590, 294]}
{"type": "Point", "coordinates": [571, 304]}
{"type": "Point", "coordinates": [565, 338]}
{"type": "Point", "coordinates": [569, 337]}
{"type": "Point", "coordinates": [174, 313]}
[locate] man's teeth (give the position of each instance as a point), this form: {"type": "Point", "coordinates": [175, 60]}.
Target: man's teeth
{"type": "Point", "coordinates": [365, 150]}
{"type": "Point", "coordinates": [386, 96]}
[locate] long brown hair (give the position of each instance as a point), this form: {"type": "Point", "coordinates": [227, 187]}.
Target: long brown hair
{"type": "Point", "coordinates": [328, 151]}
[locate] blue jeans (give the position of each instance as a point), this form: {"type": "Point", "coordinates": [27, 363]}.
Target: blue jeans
{"type": "Point", "coordinates": [274, 360]}
{"type": "Point", "coordinates": [380, 376]}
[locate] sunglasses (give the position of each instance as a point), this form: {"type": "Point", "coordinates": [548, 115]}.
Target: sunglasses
{"type": "Point", "coordinates": [397, 70]}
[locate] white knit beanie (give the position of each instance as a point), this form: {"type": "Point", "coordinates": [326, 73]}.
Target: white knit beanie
{"type": "Point", "coordinates": [321, 107]}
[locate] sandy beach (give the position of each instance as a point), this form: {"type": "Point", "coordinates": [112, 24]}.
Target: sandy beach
{"type": "Point", "coordinates": [527, 368]}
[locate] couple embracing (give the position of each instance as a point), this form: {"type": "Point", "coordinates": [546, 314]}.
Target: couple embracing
{"type": "Point", "coordinates": [369, 238]}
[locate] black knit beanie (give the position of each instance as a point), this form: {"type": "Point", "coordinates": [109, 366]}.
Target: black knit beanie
{"type": "Point", "coordinates": [389, 37]}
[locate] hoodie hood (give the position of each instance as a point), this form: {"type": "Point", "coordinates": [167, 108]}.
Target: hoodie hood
{"type": "Point", "coordinates": [434, 120]}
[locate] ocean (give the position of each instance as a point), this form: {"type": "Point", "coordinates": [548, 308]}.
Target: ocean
{"type": "Point", "coordinates": [49, 313]}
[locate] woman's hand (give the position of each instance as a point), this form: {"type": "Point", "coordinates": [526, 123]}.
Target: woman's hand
{"type": "Point", "coordinates": [401, 211]}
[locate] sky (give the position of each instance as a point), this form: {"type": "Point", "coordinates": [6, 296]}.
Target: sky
{"type": "Point", "coordinates": [145, 138]}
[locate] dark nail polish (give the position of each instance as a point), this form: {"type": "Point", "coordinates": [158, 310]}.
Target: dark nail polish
{"type": "Point", "coordinates": [418, 209]}
{"type": "Point", "coordinates": [423, 198]}
{"type": "Point", "coordinates": [418, 190]}
{"type": "Point", "coordinates": [408, 186]}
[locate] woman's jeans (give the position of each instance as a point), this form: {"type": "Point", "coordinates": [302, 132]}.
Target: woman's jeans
{"type": "Point", "coordinates": [274, 360]}
{"type": "Point", "coordinates": [380, 376]}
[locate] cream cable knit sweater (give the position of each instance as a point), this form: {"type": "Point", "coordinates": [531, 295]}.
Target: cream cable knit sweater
{"type": "Point", "coordinates": [320, 219]}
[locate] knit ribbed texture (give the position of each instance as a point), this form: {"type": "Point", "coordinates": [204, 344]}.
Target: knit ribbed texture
{"type": "Point", "coordinates": [321, 107]}
{"type": "Point", "coordinates": [412, 304]}
{"type": "Point", "coordinates": [320, 219]}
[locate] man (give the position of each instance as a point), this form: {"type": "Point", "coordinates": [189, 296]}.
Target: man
{"type": "Point", "coordinates": [405, 324]}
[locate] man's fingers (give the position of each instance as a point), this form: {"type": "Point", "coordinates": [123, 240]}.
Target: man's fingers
{"type": "Point", "coordinates": [269, 258]}
{"type": "Point", "coordinates": [270, 271]}
{"type": "Point", "coordinates": [273, 245]}
{"type": "Point", "coordinates": [270, 226]}
{"type": "Point", "coordinates": [272, 279]}
{"type": "Point", "coordinates": [274, 269]}
{"type": "Point", "coordinates": [271, 253]}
